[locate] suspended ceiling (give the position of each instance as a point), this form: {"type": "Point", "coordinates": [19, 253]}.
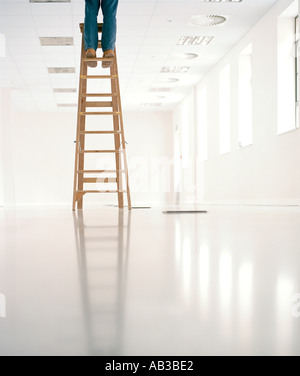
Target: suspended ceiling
{"type": "Point", "coordinates": [148, 51]}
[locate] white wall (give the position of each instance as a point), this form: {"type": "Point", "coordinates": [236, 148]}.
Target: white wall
{"type": "Point", "coordinates": [7, 194]}
{"type": "Point", "coordinates": [184, 137]}
{"type": "Point", "coordinates": [43, 156]}
{"type": "Point", "coordinates": [266, 172]}
{"type": "Point", "coordinates": [150, 150]}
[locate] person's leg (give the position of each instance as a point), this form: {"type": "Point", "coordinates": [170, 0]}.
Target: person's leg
{"type": "Point", "coordinates": [109, 33]}
{"type": "Point", "coordinates": [91, 24]}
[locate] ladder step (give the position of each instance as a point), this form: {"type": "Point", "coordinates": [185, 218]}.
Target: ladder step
{"type": "Point", "coordinates": [100, 113]}
{"type": "Point", "coordinates": [100, 171]}
{"type": "Point", "coordinates": [101, 77]}
{"type": "Point", "coordinates": [101, 151]}
{"type": "Point", "coordinates": [94, 95]}
{"type": "Point", "coordinates": [84, 192]}
{"type": "Point", "coordinates": [97, 104]}
{"type": "Point", "coordinates": [100, 180]}
{"type": "Point", "coordinates": [100, 132]}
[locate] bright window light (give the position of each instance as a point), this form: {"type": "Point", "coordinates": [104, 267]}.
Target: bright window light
{"type": "Point", "coordinates": [297, 66]}
{"type": "Point", "coordinates": [287, 72]}
{"type": "Point", "coordinates": [185, 121]}
{"type": "Point", "coordinates": [2, 46]}
{"type": "Point", "coordinates": [224, 111]}
{"type": "Point", "coordinates": [202, 123]}
{"type": "Point", "coordinates": [245, 98]}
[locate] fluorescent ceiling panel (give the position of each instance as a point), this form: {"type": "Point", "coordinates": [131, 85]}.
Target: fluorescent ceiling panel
{"type": "Point", "coordinates": [65, 90]}
{"type": "Point", "coordinates": [56, 41]}
{"type": "Point", "coordinates": [194, 40]}
{"type": "Point", "coordinates": [175, 69]}
{"type": "Point", "coordinates": [61, 70]}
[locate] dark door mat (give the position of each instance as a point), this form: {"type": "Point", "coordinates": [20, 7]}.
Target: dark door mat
{"type": "Point", "coordinates": [185, 212]}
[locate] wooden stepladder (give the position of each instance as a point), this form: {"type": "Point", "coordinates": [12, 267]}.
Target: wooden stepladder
{"type": "Point", "coordinates": [86, 102]}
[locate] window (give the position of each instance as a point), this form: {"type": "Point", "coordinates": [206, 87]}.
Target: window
{"type": "Point", "coordinates": [2, 45]}
{"type": "Point", "coordinates": [288, 70]}
{"type": "Point", "coordinates": [297, 72]}
{"type": "Point", "coordinates": [224, 111]}
{"type": "Point", "coordinates": [245, 98]}
{"type": "Point", "coordinates": [185, 124]}
{"type": "Point", "coordinates": [202, 123]}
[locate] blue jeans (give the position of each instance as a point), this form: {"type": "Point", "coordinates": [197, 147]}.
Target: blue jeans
{"type": "Point", "coordinates": [109, 33]}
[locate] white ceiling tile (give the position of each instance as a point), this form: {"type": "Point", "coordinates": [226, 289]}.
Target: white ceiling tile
{"type": "Point", "coordinates": [58, 9]}
{"type": "Point", "coordinates": [53, 22]}
{"type": "Point", "coordinates": [148, 32]}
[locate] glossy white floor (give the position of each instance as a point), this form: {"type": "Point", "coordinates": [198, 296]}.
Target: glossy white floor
{"type": "Point", "coordinates": [109, 283]}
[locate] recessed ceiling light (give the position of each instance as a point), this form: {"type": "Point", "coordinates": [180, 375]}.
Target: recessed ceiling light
{"type": "Point", "coordinates": [151, 104]}
{"type": "Point", "coordinates": [168, 80]}
{"type": "Point", "coordinates": [56, 41]}
{"type": "Point", "coordinates": [160, 89]}
{"type": "Point", "coordinates": [49, 1]}
{"type": "Point", "coordinates": [220, 1]}
{"type": "Point", "coordinates": [184, 56]}
{"type": "Point", "coordinates": [61, 70]}
{"type": "Point", "coordinates": [175, 69]}
{"type": "Point", "coordinates": [208, 20]}
{"type": "Point", "coordinates": [65, 90]}
{"type": "Point", "coordinates": [194, 41]}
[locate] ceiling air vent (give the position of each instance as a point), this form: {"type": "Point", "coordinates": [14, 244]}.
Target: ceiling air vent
{"type": "Point", "coordinates": [208, 20]}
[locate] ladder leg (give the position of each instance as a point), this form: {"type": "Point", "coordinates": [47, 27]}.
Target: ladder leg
{"type": "Point", "coordinates": [79, 119]}
{"type": "Point", "coordinates": [116, 121]}
{"type": "Point", "coordinates": [122, 133]}
{"type": "Point", "coordinates": [82, 138]}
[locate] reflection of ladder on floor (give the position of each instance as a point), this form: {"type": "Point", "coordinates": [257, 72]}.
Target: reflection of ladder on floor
{"type": "Point", "coordinates": [86, 108]}
{"type": "Point", "coordinates": [103, 260]}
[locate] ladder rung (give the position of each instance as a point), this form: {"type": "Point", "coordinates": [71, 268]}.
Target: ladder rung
{"type": "Point", "coordinates": [101, 151]}
{"type": "Point", "coordinates": [84, 192]}
{"type": "Point", "coordinates": [94, 95]}
{"type": "Point", "coordinates": [100, 132]}
{"type": "Point", "coordinates": [97, 104]}
{"type": "Point", "coordinates": [111, 77]}
{"type": "Point", "coordinates": [100, 171]}
{"type": "Point", "coordinates": [100, 113]}
{"type": "Point", "coordinates": [100, 180]}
